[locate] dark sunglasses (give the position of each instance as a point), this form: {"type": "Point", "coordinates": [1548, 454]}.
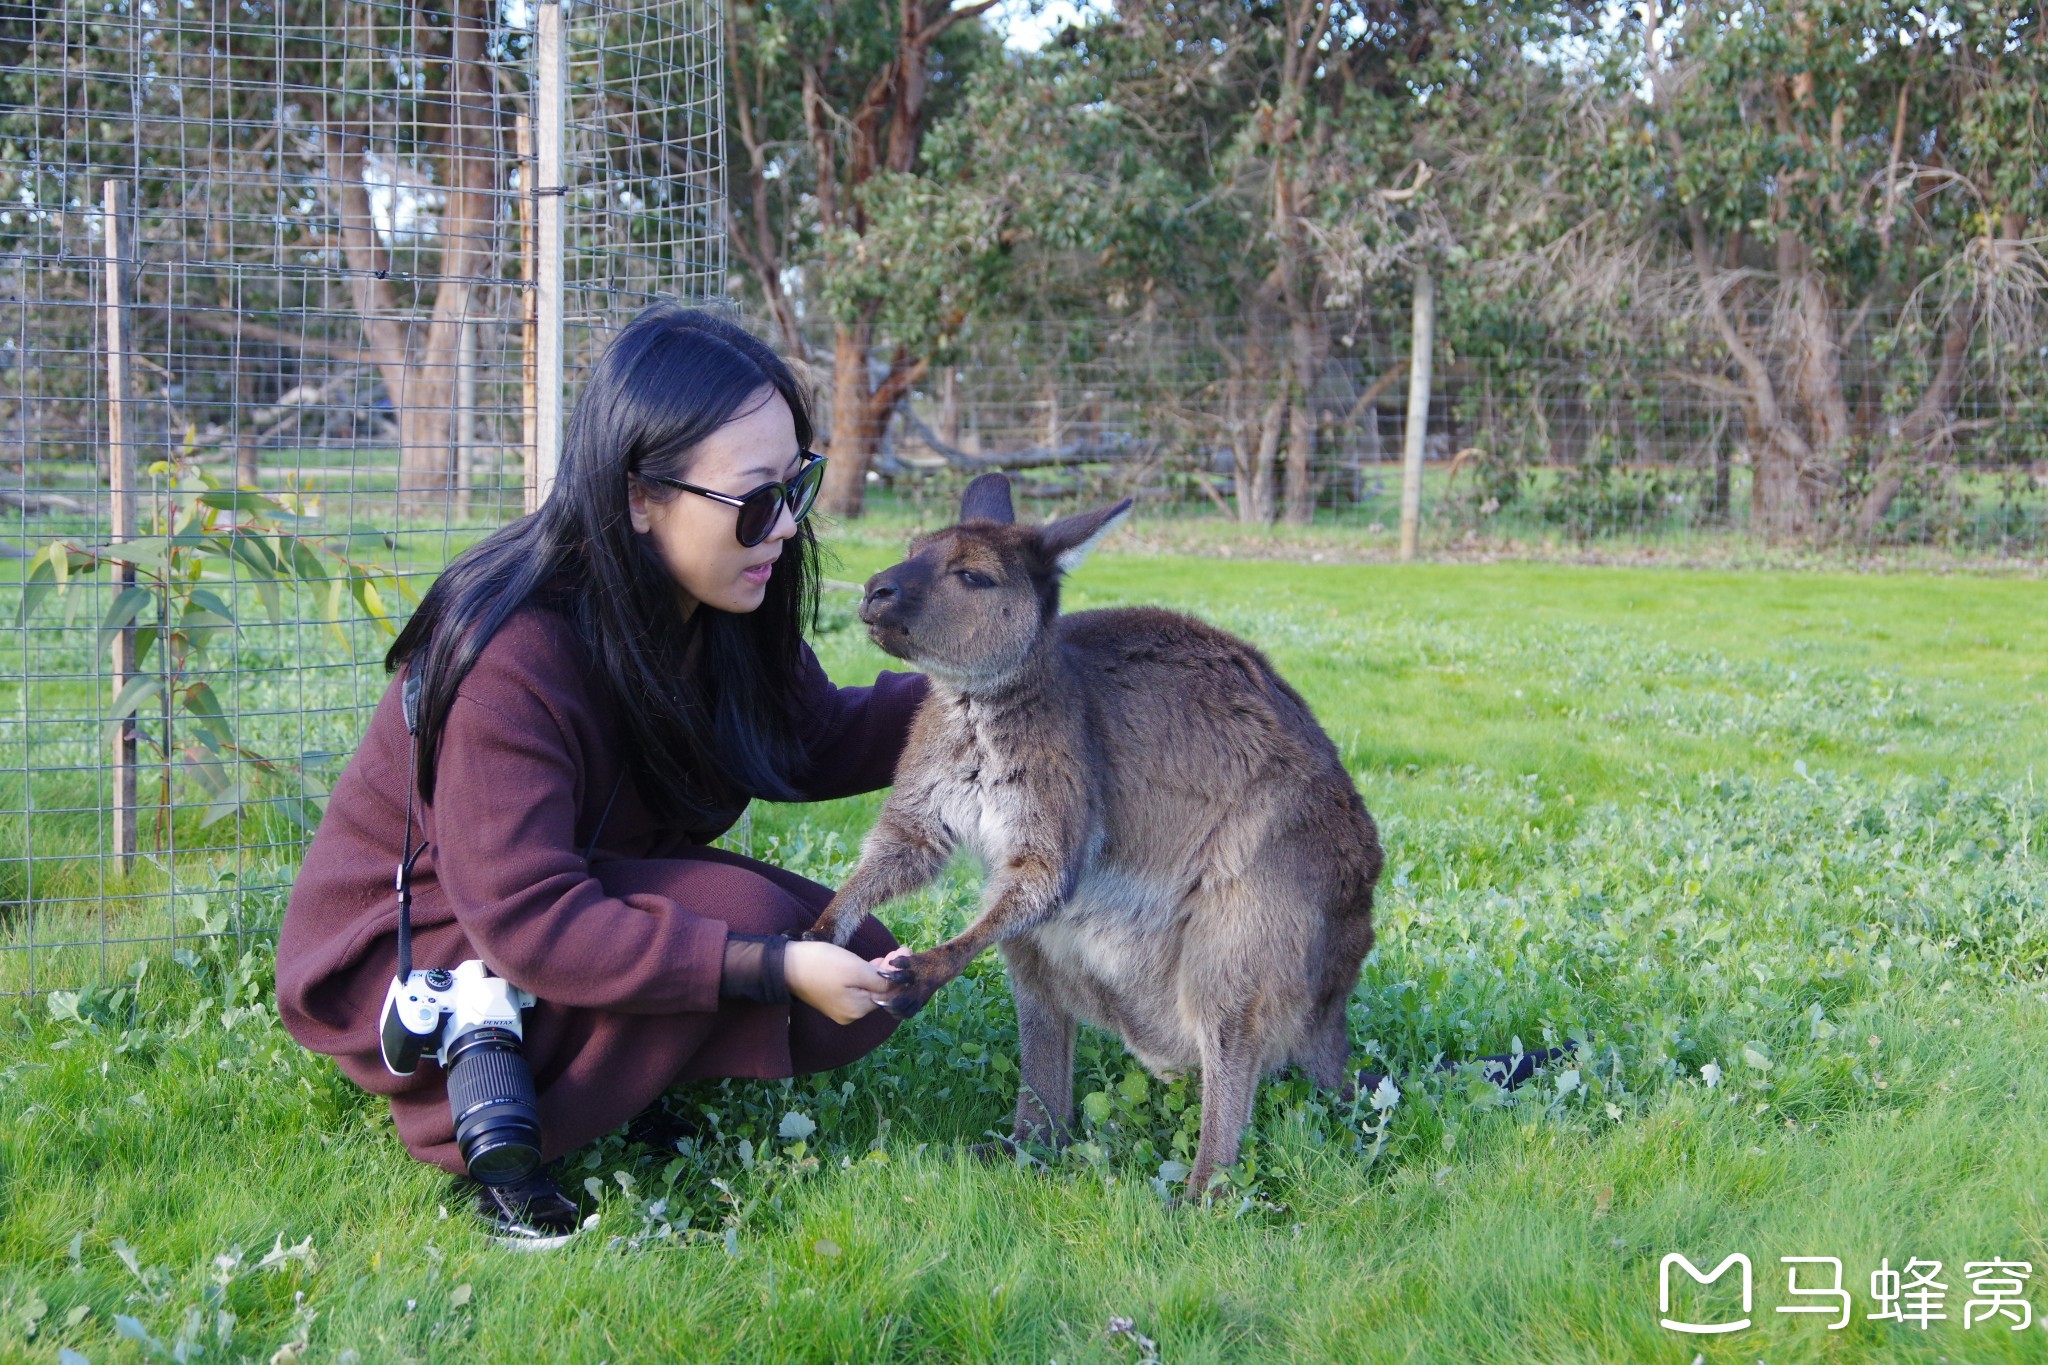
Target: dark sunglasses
{"type": "Point", "coordinates": [762, 508]}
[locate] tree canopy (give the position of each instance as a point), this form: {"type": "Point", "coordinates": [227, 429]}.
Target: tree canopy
{"type": "Point", "coordinates": [1823, 220]}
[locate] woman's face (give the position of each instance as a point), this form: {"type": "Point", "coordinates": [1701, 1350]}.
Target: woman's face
{"type": "Point", "coordinates": [694, 534]}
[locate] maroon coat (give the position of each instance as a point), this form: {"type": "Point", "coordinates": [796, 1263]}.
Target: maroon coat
{"type": "Point", "coordinates": [624, 951]}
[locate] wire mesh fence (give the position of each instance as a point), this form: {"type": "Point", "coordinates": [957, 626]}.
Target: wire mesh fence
{"type": "Point", "coordinates": [1646, 429]}
{"type": "Point", "coordinates": [289, 295]}
{"type": "Point", "coordinates": [293, 294]}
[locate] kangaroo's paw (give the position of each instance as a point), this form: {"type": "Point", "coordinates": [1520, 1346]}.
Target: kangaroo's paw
{"type": "Point", "coordinates": [913, 980]}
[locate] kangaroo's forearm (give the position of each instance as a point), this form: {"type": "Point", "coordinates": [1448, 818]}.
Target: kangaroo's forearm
{"type": "Point", "coordinates": [1028, 891]}
{"type": "Point", "coordinates": [1025, 890]}
{"type": "Point", "coordinates": [899, 857]}
{"type": "Point", "coordinates": [1022, 894]}
{"type": "Point", "coordinates": [890, 870]}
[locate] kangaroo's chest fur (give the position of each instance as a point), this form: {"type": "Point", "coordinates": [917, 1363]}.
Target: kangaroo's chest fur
{"type": "Point", "coordinates": [988, 787]}
{"type": "Point", "coordinates": [1024, 779]}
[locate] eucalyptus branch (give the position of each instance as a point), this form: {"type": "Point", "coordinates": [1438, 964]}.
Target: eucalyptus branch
{"type": "Point", "coordinates": [250, 536]}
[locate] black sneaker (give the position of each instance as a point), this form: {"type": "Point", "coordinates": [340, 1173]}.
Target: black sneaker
{"type": "Point", "coordinates": [658, 1127]}
{"type": "Point", "coordinates": [531, 1214]}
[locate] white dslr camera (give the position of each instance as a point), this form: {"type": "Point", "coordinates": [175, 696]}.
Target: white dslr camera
{"type": "Point", "coordinates": [471, 1019]}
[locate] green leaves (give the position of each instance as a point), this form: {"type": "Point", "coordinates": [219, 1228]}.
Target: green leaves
{"type": "Point", "coordinates": [204, 617]}
{"type": "Point", "coordinates": [254, 554]}
{"type": "Point", "coordinates": [200, 701]}
{"type": "Point", "coordinates": [247, 500]}
{"type": "Point", "coordinates": [48, 569]}
{"type": "Point", "coordinates": [182, 607]}
{"type": "Point", "coordinates": [127, 604]}
{"type": "Point", "coordinates": [133, 693]}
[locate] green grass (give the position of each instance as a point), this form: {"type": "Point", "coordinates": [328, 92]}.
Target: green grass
{"type": "Point", "coordinates": [1769, 845]}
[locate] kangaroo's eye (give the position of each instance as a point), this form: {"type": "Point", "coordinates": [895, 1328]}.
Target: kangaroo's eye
{"type": "Point", "coordinates": [974, 579]}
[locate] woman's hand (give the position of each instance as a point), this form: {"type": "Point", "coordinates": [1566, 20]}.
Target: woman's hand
{"type": "Point", "coordinates": [837, 984]}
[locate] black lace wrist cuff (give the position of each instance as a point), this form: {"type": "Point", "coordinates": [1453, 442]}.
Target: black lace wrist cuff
{"type": "Point", "coordinates": [753, 969]}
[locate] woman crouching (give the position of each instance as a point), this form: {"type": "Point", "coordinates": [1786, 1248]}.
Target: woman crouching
{"type": "Point", "coordinates": [604, 685]}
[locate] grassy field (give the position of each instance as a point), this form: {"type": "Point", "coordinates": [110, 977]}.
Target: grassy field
{"type": "Point", "coordinates": [1769, 846]}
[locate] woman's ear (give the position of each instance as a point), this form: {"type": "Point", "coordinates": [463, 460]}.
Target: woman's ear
{"type": "Point", "coordinates": [636, 506]}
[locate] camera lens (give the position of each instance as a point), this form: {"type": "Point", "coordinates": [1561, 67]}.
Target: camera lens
{"type": "Point", "coordinates": [497, 1117]}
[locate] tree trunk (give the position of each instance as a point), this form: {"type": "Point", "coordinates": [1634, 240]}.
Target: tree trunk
{"type": "Point", "coordinates": [1780, 504]}
{"type": "Point", "coordinates": [1924, 433]}
{"type": "Point", "coordinates": [860, 415]}
{"type": "Point", "coordinates": [1816, 359]}
{"type": "Point", "coordinates": [757, 245]}
{"type": "Point", "coordinates": [427, 463]}
{"type": "Point", "coordinates": [949, 406]}
{"type": "Point", "coordinates": [1724, 476]}
{"type": "Point", "coordinates": [369, 269]}
{"type": "Point", "coordinates": [1293, 289]}
{"type": "Point", "coordinates": [465, 420]}
{"type": "Point", "coordinates": [1781, 499]}
{"type": "Point", "coordinates": [882, 132]}
{"type": "Point", "coordinates": [421, 380]}
{"type": "Point", "coordinates": [1305, 363]}
{"type": "Point", "coordinates": [856, 437]}
{"type": "Point", "coordinates": [1255, 483]}
{"type": "Point", "coordinates": [1301, 444]}
{"type": "Point", "coordinates": [1415, 431]}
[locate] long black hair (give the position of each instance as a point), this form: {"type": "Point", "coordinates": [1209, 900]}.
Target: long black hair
{"type": "Point", "coordinates": [709, 701]}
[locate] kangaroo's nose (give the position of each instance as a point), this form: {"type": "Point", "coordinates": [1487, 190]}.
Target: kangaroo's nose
{"type": "Point", "coordinates": [883, 591]}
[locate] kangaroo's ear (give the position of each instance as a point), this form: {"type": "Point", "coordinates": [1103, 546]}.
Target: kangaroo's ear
{"type": "Point", "coordinates": [1069, 539]}
{"type": "Point", "coordinates": [988, 499]}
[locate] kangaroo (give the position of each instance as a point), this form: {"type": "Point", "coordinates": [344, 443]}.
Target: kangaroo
{"type": "Point", "coordinates": [1174, 850]}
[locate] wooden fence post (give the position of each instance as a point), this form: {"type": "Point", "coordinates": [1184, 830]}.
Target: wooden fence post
{"type": "Point", "coordinates": [550, 100]}
{"type": "Point", "coordinates": [1423, 339]}
{"type": "Point", "coordinates": [529, 313]}
{"type": "Point", "coordinates": [118, 247]}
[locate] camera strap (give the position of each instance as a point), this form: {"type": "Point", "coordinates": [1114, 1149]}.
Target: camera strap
{"type": "Point", "coordinates": [410, 696]}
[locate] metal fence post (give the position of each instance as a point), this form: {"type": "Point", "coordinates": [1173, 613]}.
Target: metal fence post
{"type": "Point", "coordinates": [118, 245]}
{"type": "Point", "coordinates": [1423, 340]}
{"type": "Point", "coordinates": [550, 107]}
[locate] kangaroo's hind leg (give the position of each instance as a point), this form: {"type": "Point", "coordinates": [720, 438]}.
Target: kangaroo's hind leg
{"type": "Point", "coordinates": [1045, 1092]}
{"type": "Point", "coordinates": [1045, 1045]}
{"type": "Point", "coordinates": [1230, 1082]}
